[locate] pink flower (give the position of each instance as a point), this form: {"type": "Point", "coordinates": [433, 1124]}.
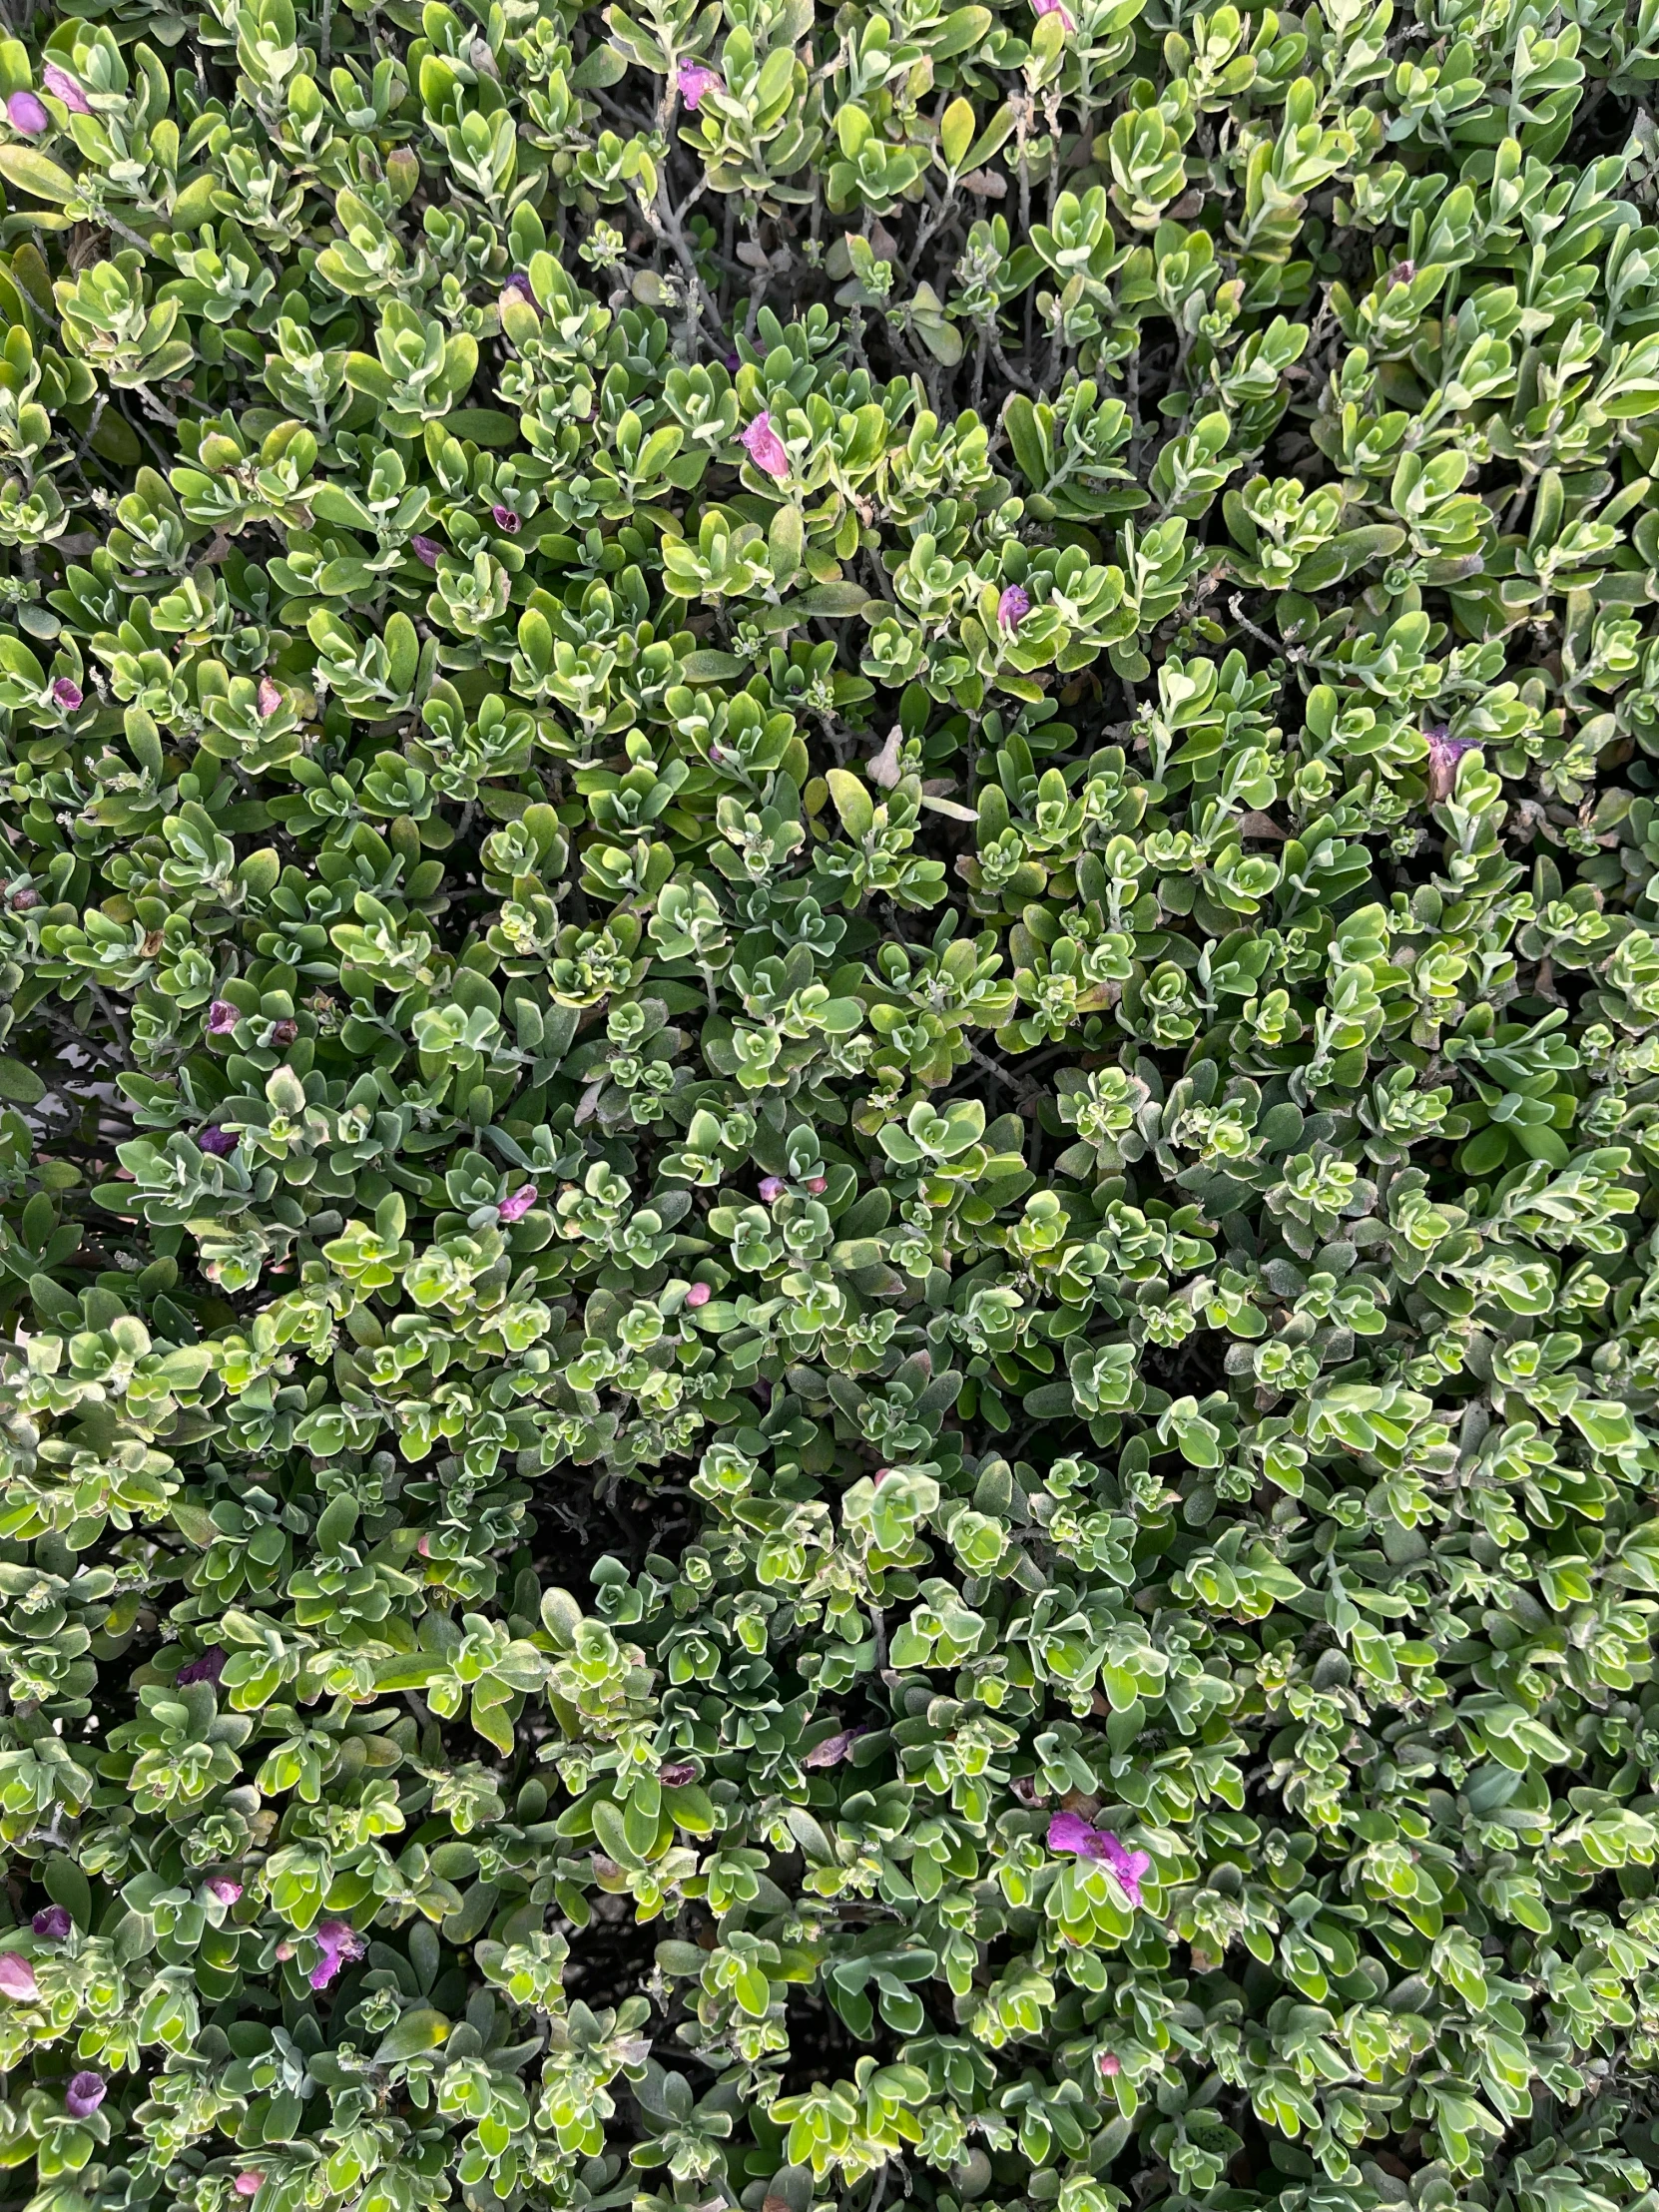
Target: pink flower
{"type": "Point", "coordinates": [1013, 607]}
{"type": "Point", "coordinates": [62, 86]}
{"type": "Point", "coordinates": [517, 1207]}
{"type": "Point", "coordinates": [695, 80]}
{"type": "Point", "coordinates": [249, 2184]}
{"type": "Point", "coordinates": [68, 694]}
{"type": "Point", "coordinates": [25, 114]}
{"type": "Point", "coordinates": [339, 1942]}
{"type": "Point", "coordinates": [817, 1184]}
{"type": "Point", "coordinates": [505, 519]}
{"type": "Point", "coordinates": [772, 1189]}
{"type": "Point", "coordinates": [425, 549]}
{"type": "Point", "coordinates": [1070, 1832]}
{"type": "Point", "coordinates": [53, 1923]}
{"type": "Point", "coordinates": [17, 1976]}
{"type": "Point", "coordinates": [270, 699]}
{"type": "Point", "coordinates": [1054, 7]}
{"type": "Point", "coordinates": [1109, 2063]}
{"type": "Point", "coordinates": [764, 448]}
{"type": "Point", "coordinates": [86, 2092]}
{"type": "Point", "coordinates": [221, 1886]}
{"type": "Point", "coordinates": [221, 1018]}
{"type": "Point", "coordinates": [699, 1295]}
{"type": "Point", "coordinates": [210, 1665]}
{"type": "Point", "coordinates": [1445, 752]}
{"type": "Point", "coordinates": [424, 1547]}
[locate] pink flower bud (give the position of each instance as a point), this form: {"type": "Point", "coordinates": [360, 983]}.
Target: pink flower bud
{"type": "Point", "coordinates": [62, 86]}
{"type": "Point", "coordinates": [17, 1976]}
{"type": "Point", "coordinates": [270, 699]}
{"type": "Point", "coordinates": [284, 1950]}
{"type": "Point", "coordinates": [1109, 2063]}
{"type": "Point", "coordinates": [694, 81]}
{"type": "Point", "coordinates": [520, 1203]}
{"type": "Point", "coordinates": [25, 113]}
{"type": "Point", "coordinates": [1054, 7]}
{"type": "Point", "coordinates": [817, 1185]}
{"type": "Point", "coordinates": [68, 694]}
{"type": "Point", "coordinates": [772, 1189]}
{"type": "Point", "coordinates": [764, 448]}
{"type": "Point", "coordinates": [221, 1886]}
{"type": "Point", "coordinates": [699, 1295]}
{"type": "Point", "coordinates": [249, 2184]}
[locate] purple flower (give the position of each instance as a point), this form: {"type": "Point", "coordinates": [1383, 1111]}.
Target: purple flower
{"type": "Point", "coordinates": [221, 1018]}
{"type": "Point", "coordinates": [270, 699]}
{"type": "Point", "coordinates": [1070, 1832]}
{"type": "Point", "coordinates": [1445, 752]}
{"type": "Point", "coordinates": [283, 1032]}
{"type": "Point", "coordinates": [733, 363]}
{"type": "Point", "coordinates": [1054, 7]}
{"type": "Point", "coordinates": [62, 86]}
{"type": "Point", "coordinates": [26, 114]}
{"type": "Point", "coordinates": [53, 1923]}
{"type": "Point", "coordinates": [833, 1748]}
{"type": "Point", "coordinates": [17, 1976]}
{"type": "Point", "coordinates": [517, 1207]}
{"type": "Point", "coordinates": [22, 900]}
{"type": "Point", "coordinates": [519, 281]}
{"type": "Point", "coordinates": [211, 1664]}
{"type": "Point", "coordinates": [772, 1189]}
{"type": "Point", "coordinates": [695, 80]}
{"type": "Point", "coordinates": [677, 1774]}
{"type": "Point", "coordinates": [339, 1942]}
{"type": "Point", "coordinates": [221, 1886]}
{"type": "Point", "coordinates": [86, 2092]}
{"type": "Point", "coordinates": [764, 448]}
{"type": "Point", "coordinates": [505, 519]}
{"type": "Point", "coordinates": [699, 1295]}
{"type": "Point", "coordinates": [1013, 607]}
{"type": "Point", "coordinates": [68, 694]}
{"type": "Point", "coordinates": [217, 1141]}
{"type": "Point", "coordinates": [425, 549]}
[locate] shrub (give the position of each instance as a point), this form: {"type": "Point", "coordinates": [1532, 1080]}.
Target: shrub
{"type": "Point", "coordinates": [831, 1009]}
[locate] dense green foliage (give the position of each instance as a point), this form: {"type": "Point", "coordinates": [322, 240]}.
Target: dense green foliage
{"type": "Point", "coordinates": [829, 960]}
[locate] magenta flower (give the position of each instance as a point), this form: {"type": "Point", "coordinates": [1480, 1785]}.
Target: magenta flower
{"type": "Point", "coordinates": [505, 519]}
{"type": "Point", "coordinates": [772, 1188]}
{"type": "Point", "coordinates": [221, 1886]}
{"type": "Point", "coordinates": [339, 1943]}
{"type": "Point", "coordinates": [68, 694]}
{"type": "Point", "coordinates": [270, 699]}
{"type": "Point", "coordinates": [62, 86]}
{"type": "Point", "coordinates": [249, 2184]}
{"type": "Point", "coordinates": [677, 1774]}
{"type": "Point", "coordinates": [517, 1207]}
{"type": "Point", "coordinates": [17, 1976]}
{"type": "Point", "coordinates": [694, 81]}
{"type": "Point", "coordinates": [764, 448]}
{"type": "Point", "coordinates": [425, 549]}
{"type": "Point", "coordinates": [1013, 607]}
{"type": "Point", "coordinates": [53, 1923]}
{"type": "Point", "coordinates": [1071, 1833]}
{"type": "Point", "coordinates": [1445, 752]}
{"type": "Point", "coordinates": [25, 114]}
{"type": "Point", "coordinates": [1054, 7]}
{"type": "Point", "coordinates": [699, 1295]}
{"type": "Point", "coordinates": [221, 1018]}
{"type": "Point", "coordinates": [211, 1664]}
{"type": "Point", "coordinates": [219, 1142]}
{"type": "Point", "coordinates": [86, 2092]}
